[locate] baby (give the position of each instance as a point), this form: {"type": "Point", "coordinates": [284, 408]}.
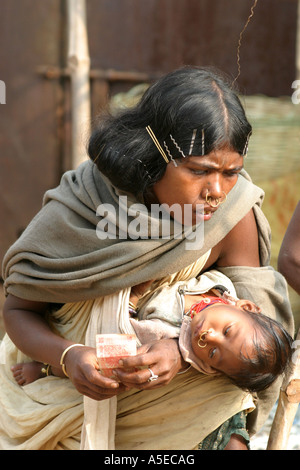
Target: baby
{"type": "Point", "coordinates": [218, 333]}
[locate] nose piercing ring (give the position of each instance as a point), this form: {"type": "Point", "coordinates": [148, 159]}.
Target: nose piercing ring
{"type": "Point", "coordinates": [202, 338]}
{"type": "Point", "coordinates": [209, 200]}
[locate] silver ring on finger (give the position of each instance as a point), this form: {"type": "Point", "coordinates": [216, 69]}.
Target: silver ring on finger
{"type": "Point", "coordinates": [152, 376]}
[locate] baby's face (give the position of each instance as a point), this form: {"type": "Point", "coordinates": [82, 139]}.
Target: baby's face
{"type": "Point", "coordinates": [220, 333]}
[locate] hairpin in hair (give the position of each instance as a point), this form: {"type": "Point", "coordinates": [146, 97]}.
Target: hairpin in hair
{"type": "Point", "coordinates": [177, 146]}
{"type": "Point", "coordinates": [160, 149]}
{"type": "Point", "coordinates": [192, 141]}
{"type": "Point", "coordinates": [146, 171]}
{"type": "Point", "coordinates": [203, 142]}
{"type": "Point", "coordinates": [170, 155]}
{"type": "Point", "coordinates": [245, 151]}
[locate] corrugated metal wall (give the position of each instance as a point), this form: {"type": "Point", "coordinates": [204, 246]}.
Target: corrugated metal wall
{"type": "Point", "coordinates": [159, 35]}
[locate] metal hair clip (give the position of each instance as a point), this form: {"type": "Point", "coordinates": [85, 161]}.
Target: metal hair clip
{"type": "Point", "coordinates": [170, 155]}
{"type": "Point", "coordinates": [245, 151]}
{"type": "Point", "coordinates": [155, 141]}
{"type": "Point", "coordinates": [177, 146]}
{"type": "Point", "coordinates": [193, 141]}
{"type": "Point", "coordinates": [202, 141]}
{"type": "Point", "coordinates": [162, 152]}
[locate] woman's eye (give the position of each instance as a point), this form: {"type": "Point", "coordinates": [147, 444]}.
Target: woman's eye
{"type": "Point", "coordinates": [198, 172]}
{"type": "Point", "coordinates": [231, 174]}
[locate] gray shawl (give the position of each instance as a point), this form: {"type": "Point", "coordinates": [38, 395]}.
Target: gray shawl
{"type": "Point", "coordinates": [59, 257]}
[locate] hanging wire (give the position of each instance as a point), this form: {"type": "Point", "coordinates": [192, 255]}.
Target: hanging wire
{"type": "Point", "coordinates": [240, 40]}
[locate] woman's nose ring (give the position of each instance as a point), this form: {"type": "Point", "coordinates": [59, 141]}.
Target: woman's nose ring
{"type": "Point", "coordinates": [202, 338]}
{"type": "Point", "coordinates": [219, 201]}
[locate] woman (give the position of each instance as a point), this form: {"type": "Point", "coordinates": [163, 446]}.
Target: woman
{"type": "Point", "coordinates": [184, 144]}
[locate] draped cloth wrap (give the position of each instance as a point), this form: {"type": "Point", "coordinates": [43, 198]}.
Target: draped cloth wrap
{"type": "Point", "coordinates": [60, 259]}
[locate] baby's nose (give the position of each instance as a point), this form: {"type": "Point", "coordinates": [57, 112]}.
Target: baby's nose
{"type": "Point", "coordinates": [213, 336]}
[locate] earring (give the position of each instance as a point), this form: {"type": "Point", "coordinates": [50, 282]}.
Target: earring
{"type": "Point", "coordinates": [202, 338]}
{"type": "Point", "coordinates": [209, 199]}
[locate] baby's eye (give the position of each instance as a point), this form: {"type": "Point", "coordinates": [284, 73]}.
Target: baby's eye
{"type": "Point", "coordinates": [212, 352]}
{"type": "Point", "coordinates": [226, 330]}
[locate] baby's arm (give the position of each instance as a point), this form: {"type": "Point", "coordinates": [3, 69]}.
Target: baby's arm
{"type": "Point", "coordinates": [154, 329]}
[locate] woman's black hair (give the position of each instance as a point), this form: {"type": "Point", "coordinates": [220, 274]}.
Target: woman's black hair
{"type": "Point", "coordinates": [187, 99]}
{"type": "Point", "coordinates": [273, 352]}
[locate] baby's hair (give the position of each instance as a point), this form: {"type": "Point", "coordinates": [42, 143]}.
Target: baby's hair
{"type": "Point", "coordinates": [273, 351]}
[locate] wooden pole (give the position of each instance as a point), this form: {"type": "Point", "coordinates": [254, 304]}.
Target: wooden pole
{"type": "Point", "coordinates": [288, 403]}
{"type": "Point", "coordinates": [79, 65]}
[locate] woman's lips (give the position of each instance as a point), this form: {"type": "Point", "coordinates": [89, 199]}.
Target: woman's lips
{"type": "Point", "coordinates": [205, 214]}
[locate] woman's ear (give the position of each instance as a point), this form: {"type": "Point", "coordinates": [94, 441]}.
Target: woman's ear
{"type": "Point", "coordinates": [248, 305]}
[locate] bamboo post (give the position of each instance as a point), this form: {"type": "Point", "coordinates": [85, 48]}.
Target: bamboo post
{"type": "Point", "coordinates": [288, 403]}
{"type": "Point", "coordinates": [79, 64]}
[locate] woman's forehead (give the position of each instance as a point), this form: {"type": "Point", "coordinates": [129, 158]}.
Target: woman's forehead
{"type": "Point", "coordinates": [217, 158]}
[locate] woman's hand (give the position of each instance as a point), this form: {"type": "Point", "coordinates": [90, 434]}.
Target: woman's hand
{"type": "Point", "coordinates": [83, 370]}
{"type": "Point", "coordinates": [162, 357]}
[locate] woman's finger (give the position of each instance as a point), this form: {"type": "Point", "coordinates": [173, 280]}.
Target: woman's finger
{"type": "Point", "coordinates": [136, 377]}
{"type": "Point", "coordinates": [101, 394]}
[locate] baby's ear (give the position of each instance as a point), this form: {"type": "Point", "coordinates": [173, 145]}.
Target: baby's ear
{"type": "Point", "coordinates": [248, 305]}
